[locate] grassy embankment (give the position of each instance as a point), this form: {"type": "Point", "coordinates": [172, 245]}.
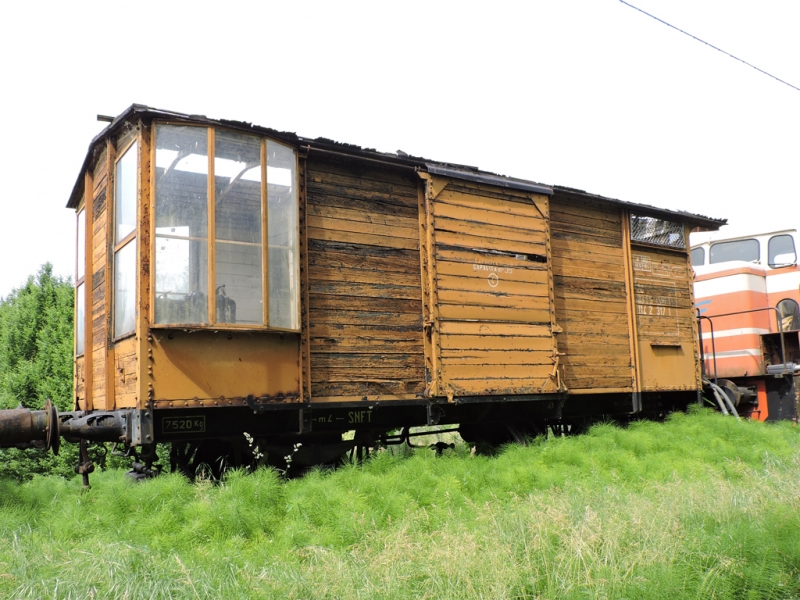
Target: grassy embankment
{"type": "Point", "coordinates": [700, 507]}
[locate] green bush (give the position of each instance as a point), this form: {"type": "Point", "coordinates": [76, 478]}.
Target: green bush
{"type": "Point", "coordinates": [36, 345]}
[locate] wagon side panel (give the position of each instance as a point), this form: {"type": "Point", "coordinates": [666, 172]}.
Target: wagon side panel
{"type": "Point", "coordinates": [590, 296]}
{"type": "Point", "coordinates": [364, 282]}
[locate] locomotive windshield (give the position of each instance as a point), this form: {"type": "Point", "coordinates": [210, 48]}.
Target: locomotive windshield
{"type": "Point", "coordinates": [225, 253]}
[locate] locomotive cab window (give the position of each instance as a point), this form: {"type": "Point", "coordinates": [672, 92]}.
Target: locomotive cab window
{"type": "Point", "coordinates": [781, 251]}
{"type": "Point", "coordinates": [226, 252]}
{"type": "Point", "coordinates": [743, 250]}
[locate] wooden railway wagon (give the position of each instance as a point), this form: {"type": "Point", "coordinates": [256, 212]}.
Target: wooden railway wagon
{"type": "Point", "coordinates": [234, 279]}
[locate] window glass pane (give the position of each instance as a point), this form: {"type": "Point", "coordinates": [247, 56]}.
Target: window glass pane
{"type": "Point", "coordinates": [283, 248]}
{"type": "Point", "coordinates": [781, 250]}
{"type": "Point", "coordinates": [125, 289]}
{"type": "Point", "coordinates": [239, 273]}
{"type": "Point", "coordinates": [181, 261]}
{"type": "Point", "coordinates": [747, 250]}
{"type": "Point", "coordinates": [181, 279]}
{"type": "Point", "coordinates": [81, 266]}
{"type": "Point", "coordinates": [125, 193]}
{"type": "Point", "coordinates": [789, 314]}
{"type": "Point", "coordinates": [80, 319]}
{"type": "Point", "coordinates": [238, 285]}
{"type": "Point", "coordinates": [698, 256]}
{"type": "Point", "coordinates": [237, 180]}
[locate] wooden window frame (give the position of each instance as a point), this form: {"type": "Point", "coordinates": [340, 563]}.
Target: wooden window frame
{"type": "Point", "coordinates": [116, 246]}
{"type": "Point", "coordinates": [80, 281]}
{"type": "Point", "coordinates": [211, 234]}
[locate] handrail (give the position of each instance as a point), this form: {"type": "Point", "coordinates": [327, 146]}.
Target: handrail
{"type": "Point", "coordinates": [742, 312]}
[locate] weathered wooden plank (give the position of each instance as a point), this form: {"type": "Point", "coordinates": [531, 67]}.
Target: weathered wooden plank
{"type": "Point", "coordinates": [595, 306]}
{"type": "Point", "coordinates": [589, 232]}
{"type": "Point", "coordinates": [365, 276]}
{"type": "Point", "coordinates": [575, 287]}
{"type": "Point", "coordinates": [525, 209]}
{"type": "Point", "coordinates": [560, 218]}
{"type": "Point", "coordinates": [368, 290]}
{"type": "Point", "coordinates": [596, 370]}
{"type": "Point", "coordinates": [495, 284]}
{"type": "Point", "coordinates": [349, 374]}
{"type": "Point", "coordinates": [482, 216]}
{"type": "Point", "coordinates": [487, 266]}
{"type": "Point", "coordinates": [485, 313]}
{"type": "Point", "coordinates": [495, 232]}
{"type": "Point", "coordinates": [366, 345]}
{"type": "Point", "coordinates": [364, 389]}
{"type": "Point", "coordinates": [454, 345]}
{"type": "Point", "coordinates": [365, 361]}
{"type": "Point", "coordinates": [350, 214]}
{"type": "Point", "coordinates": [362, 172]}
{"type": "Point", "coordinates": [322, 195]}
{"type": "Point", "coordinates": [575, 346]}
{"type": "Point", "coordinates": [330, 253]}
{"type": "Point", "coordinates": [588, 250]}
{"type": "Point", "coordinates": [362, 238]}
{"type": "Point", "coordinates": [410, 233]}
{"type": "Point", "coordinates": [565, 201]}
{"type": "Point", "coordinates": [355, 317]}
{"type": "Point", "coordinates": [366, 332]}
{"type": "Point", "coordinates": [588, 270]}
{"type": "Point", "coordinates": [597, 383]}
{"type": "Point", "coordinates": [456, 328]}
{"type": "Point", "coordinates": [593, 326]}
{"type": "Point", "coordinates": [495, 372]}
{"type": "Point", "coordinates": [596, 360]}
{"type": "Point", "coordinates": [489, 258]}
{"type": "Point", "coordinates": [583, 238]}
{"type": "Point", "coordinates": [580, 256]}
{"type": "Point", "coordinates": [447, 238]}
{"type": "Point", "coordinates": [493, 300]}
{"type": "Point", "coordinates": [348, 182]}
{"type": "Point", "coordinates": [488, 192]}
{"type": "Point", "coordinates": [359, 303]}
{"type": "Point", "coordinates": [584, 213]}
{"type": "Point", "coordinates": [495, 357]}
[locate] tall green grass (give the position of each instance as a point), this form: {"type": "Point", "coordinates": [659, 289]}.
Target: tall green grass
{"type": "Point", "coordinates": [699, 507]}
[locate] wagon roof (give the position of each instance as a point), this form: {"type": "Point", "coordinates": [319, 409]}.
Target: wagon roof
{"type": "Point", "coordinates": [352, 151]}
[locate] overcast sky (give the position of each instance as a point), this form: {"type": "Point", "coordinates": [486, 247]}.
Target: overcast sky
{"type": "Point", "coordinates": [589, 94]}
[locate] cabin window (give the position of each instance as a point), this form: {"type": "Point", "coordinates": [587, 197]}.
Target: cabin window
{"type": "Point", "coordinates": [126, 188]}
{"type": "Point", "coordinates": [698, 257]}
{"type": "Point", "coordinates": [789, 314]}
{"type": "Point", "coordinates": [284, 266]}
{"type": "Point", "coordinates": [781, 251]}
{"type": "Point", "coordinates": [238, 283]}
{"type": "Point", "coordinates": [212, 242]}
{"type": "Point", "coordinates": [742, 250]}
{"type": "Point", "coordinates": [660, 232]}
{"type": "Point", "coordinates": [80, 289]}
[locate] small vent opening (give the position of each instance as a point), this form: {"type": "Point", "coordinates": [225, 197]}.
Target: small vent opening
{"type": "Point", "coordinates": [660, 232]}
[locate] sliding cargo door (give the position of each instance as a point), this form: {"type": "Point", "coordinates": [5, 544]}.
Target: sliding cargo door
{"type": "Point", "coordinates": [489, 315]}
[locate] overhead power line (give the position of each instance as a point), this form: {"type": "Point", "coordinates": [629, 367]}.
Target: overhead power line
{"type": "Point", "coordinates": [711, 45]}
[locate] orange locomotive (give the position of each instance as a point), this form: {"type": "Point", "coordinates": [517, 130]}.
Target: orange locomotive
{"type": "Point", "coordinates": [234, 279]}
{"type": "Point", "coordinates": [747, 290]}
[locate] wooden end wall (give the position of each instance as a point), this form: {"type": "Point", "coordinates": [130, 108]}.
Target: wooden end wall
{"type": "Point", "coordinates": [589, 267]}
{"type": "Point", "coordinates": [365, 295]}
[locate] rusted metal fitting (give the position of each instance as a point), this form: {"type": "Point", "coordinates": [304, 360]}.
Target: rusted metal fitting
{"type": "Point", "coordinates": [24, 427]}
